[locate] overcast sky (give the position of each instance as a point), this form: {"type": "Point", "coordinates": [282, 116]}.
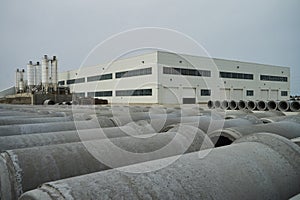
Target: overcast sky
{"type": "Point", "coordinates": [263, 31]}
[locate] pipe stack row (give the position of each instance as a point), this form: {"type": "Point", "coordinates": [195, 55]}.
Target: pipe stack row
{"type": "Point", "coordinates": [283, 106]}
{"type": "Point", "coordinates": [139, 152]}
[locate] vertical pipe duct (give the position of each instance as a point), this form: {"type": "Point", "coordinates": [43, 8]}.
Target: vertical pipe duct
{"type": "Point", "coordinates": [30, 75]}
{"type": "Point", "coordinates": [38, 74]}
{"type": "Point", "coordinates": [54, 73]}
{"type": "Point", "coordinates": [45, 73]}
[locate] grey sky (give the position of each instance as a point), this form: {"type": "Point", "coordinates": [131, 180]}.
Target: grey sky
{"type": "Point", "coordinates": [263, 31]}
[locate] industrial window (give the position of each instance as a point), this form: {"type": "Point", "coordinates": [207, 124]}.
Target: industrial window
{"type": "Point", "coordinates": [140, 92]}
{"type": "Point", "coordinates": [137, 72]}
{"type": "Point", "coordinates": [99, 77]}
{"type": "Point", "coordinates": [249, 93]}
{"type": "Point", "coordinates": [273, 78]}
{"type": "Point", "coordinates": [205, 92]}
{"type": "Point", "coordinates": [75, 81]}
{"type": "Point", "coordinates": [284, 93]}
{"type": "Point", "coordinates": [186, 72]}
{"type": "Point", "coordinates": [61, 82]}
{"type": "Point", "coordinates": [236, 75]}
{"type": "Point", "coordinates": [100, 94]}
{"type": "Point", "coordinates": [80, 94]}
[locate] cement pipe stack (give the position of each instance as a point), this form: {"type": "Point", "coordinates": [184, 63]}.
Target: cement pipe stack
{"type": "Point", "coordinates": [288, 128]}
{"type": "Point", "coordinates": [263, 166]}
{"type": "Point", "coordinates": [25, 169]}
{"type": "Point", "coordinates": [261, 105]}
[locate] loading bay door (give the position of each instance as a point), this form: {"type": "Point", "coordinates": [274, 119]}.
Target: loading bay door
{"type": "Point", "coordinates": [189, 95]}
{"type": "Point", "coordinates": [274, 95]}
{"type": "Point", "coordinates": [170, 95]}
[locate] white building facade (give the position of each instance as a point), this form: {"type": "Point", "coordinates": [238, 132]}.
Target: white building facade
{"type": "Point", "coordinates": [168, 78]}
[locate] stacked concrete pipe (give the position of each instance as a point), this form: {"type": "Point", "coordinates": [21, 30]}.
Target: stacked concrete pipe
{"type": "Point", "coordinates": [251, 105]}
{"type": "Point", "coordinates": [259, 167]}
{"type": "Point", "coordinates": [272, 105]}
{"type": "Point", "coordinates": [262, 105]}
{"type": "Point", "coordinates": [20, 129]}
{"type": "Point", "coordinates": [295, 106]}
{"type": "Point", "coordinates": [210, 104]}
{"type": "Point", "coordinates": [283, 106]}
{"type": "Point", "coordinates": [288, 128]}
{"type": "Point", "coordinates": [217, 104]}
{"type": "Point", "coordinates": [208, 125]}
{"type": "Point", "coordinates": [242, 105]}
{"type": "Point", "coordinates": [25, 169]}
{"type": "Point", "coordinates": [233, 105]}
{"type": "Point", "coordinates": [61, 137]}
{"type": "Point", "coordinates": [224, 105]}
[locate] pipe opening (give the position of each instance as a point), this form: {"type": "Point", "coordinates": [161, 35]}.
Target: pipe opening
{"type": "Point", "coordinates": [224, 104]}
{"type": "Point", "coordinates": [217, 104]}
{"type": "Point", "coordinates": [261, 105]}
{"type": "Point", "coordinates": [242, 105]}
{"type": "Point", "coordinates": [295, 106]}
{"type": "Point", "coordinates": [272, 105]}
{"type": "Point", "coordinates": [220, 141]}
{"type": "Point", "coordinates": [283, 105]}
{"type": "Point", "coordinates": [233, 105]}
{"type": "Point", "coordinates": [251, 105]}
{"type": "Point", "coordinates": [210, 104]}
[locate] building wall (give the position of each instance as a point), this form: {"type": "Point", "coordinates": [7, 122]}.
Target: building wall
{"type": "Point", "coordinates": [126, 83]}
{"type": "Point", "coordinates": [221, 88]}
{"type": "Point", "coordinates": [182, 88]}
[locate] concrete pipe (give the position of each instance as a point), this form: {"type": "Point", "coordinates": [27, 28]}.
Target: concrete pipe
{"type": "Point", "coordinates": [33, 120]}
{"type": "Point", "coordinates": [233, 105]}
{"type": "Point", "coordinates": [51, 138]}
{"type": "Point", "coordinates": [242, 105]}
{"type": "Point", "coordinates": [272, 105]}
{"type": "Point", "coordinates": [258, 168]}
{"type": "Point", "coordinates": [261, 105]}
{"type": "Point", "coordinates": [208, 125]}
{"type": "Point", "coordinates": [54, 127]}
{"type": "Point", "coordinates": [296, 141]}
{"type": "Point", "coordinates": [283, 106]}
{"type": "Point", "coordinates": [296, 197]}
{"type": "Point", "coordinates": [210, 104]}
{"type": "Point", "coordinates": [286, 128]}
{"type": "Point", "coordinates": [48, 102]}
{"type": "Point", "coordinates": [251, 105]}
{"type": "Point", "coordinates": [217, 104]}
{"type": "Point", "coordinates": [48, 163]}
{"type": "Point", "coordinates": [295, 106]}
{"type": "Point", "coordinates": [225, 105]}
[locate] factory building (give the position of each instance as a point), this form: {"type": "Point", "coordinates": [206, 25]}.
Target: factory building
{"type": "Point", "coordinates": [168, 78]}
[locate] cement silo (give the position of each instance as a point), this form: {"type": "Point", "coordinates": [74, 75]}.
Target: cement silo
{"type": "Point", "coordinates": [38, 74]}
{"type": "Point", "coordinates": [22, 82]}
{"type": "Point", "coordinates": [45, 73]}
{"type": "Point", "coordinates": [54, 76]}
{"type": "Point", "coordinates": [30, 75]}
{"type": "Point", "coordinates": [18, 77]}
